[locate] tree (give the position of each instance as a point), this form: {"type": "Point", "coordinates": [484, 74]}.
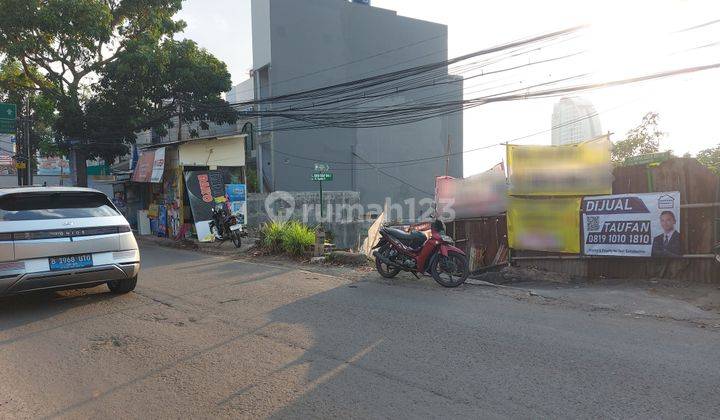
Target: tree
{"type": "Point", "coordinates": [643, 139]}
{"type": "Point", "coordinates": [183, 81]}
{"type": "Point", "coordinates": [14, 89]}
{"type": "Point", "coordinates": [710, 158]}
{"type": "Point", "coordinates": [112, 68]}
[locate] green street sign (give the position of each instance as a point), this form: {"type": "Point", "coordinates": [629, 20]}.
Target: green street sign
{"type": "Point", "coordinates": [647, 159]}
{"type": "Point", "coordinates": [321, 176]}
{"type": "Point", "coordinates": [8, 118]}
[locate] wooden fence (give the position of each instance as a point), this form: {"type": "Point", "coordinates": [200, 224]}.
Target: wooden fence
{"type": "Point", "coordinates": [699, 188]}
{"type": "Point", "coordinates": [699, 213]}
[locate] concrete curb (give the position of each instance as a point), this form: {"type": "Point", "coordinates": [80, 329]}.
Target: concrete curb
{"type": "Point", "coordinates": [214, 248]}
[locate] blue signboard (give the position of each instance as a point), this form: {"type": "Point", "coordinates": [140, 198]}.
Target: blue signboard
{"type": "Point", "coordinates": [236, 192]}
{"type": "Point", "coordinates": [237, 196]}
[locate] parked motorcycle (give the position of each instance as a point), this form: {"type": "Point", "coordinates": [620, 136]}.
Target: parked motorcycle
{"type": "Point", "coordinates": [436, 256]}
{"type": "Point", "coordinates": [226, 226]}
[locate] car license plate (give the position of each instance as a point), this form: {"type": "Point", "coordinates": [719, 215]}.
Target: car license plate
{"type": "Point", "coordinates": [70, 262]}
{"type": "Point", "coordinates": [235, 227]}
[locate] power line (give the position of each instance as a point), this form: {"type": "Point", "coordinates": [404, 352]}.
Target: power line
{"type": "Point", "coordinates": [397, 179]}
{"type": "Point", "coordinates": [396, 115]}
{"type": "Point", "coordinates": [410, 114]}
{"type": "Point", "coordinates": [359, 61]}
{"type": "Point", "coordinates": [384, 78]}
{"type": "Point", "coordinates": [444, 155]}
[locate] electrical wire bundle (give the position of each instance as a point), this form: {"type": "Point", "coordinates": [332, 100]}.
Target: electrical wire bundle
{"type": "Point", "coordinates": [441, 88]}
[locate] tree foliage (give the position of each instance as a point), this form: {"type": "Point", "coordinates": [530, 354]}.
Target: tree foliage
{"type": "Point", "coordinates": [13, 82]}
{"type": "Point", "coordinates": [643, 139]}
{"type": "Point", "coordinates": [710, 158]}
{"type": "Point", "coordinates": [150, 86]}
{"type": "Point", "coordinates": [112, 68]}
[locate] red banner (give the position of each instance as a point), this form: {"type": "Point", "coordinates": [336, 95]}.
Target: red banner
{"type": "Point", "coordinates": [150, 166]}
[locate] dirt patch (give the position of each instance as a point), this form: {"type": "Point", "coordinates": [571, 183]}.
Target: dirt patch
{"type": "Point", "coordinates": [347, 258]}
{"type": "Point", "coordinates": [100, 343]}
{"type": "Point", "coordinates": [512, 275]}
{"type": "Point", "coordinates": [162, 318]}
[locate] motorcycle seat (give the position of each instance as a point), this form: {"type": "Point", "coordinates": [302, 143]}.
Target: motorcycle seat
{"type": "Point", "coordinates": [412, 237]}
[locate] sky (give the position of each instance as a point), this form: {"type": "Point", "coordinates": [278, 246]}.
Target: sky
{"type": "Point", "coordinates": [626, 38]}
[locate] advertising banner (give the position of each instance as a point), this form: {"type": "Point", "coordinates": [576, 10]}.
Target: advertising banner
{"type": "Point", "coordinates": [162, 221]}
{"type": "Point", "coordinates": [143, 169]}
{"type": "Point", "coordinates": [632, 225]}
{"type": "Point", "coordinates": [205, 190]}
{"type": "Point", "coordinates": [158, 166]}
{"type": "Point", "coordinates": [578, 169]}
{"type": "Point", "coordinates": [150, 166]}
{"type": "Point", "coordinates": [53, 165]}
{"type": "Point", "coordinates": [237, 195]}
{"type": "Point", "coordinates": [547, 224]}
{"type": "Point", "coordinates": [480, 195]}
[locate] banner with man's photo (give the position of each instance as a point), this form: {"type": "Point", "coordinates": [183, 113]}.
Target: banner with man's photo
{"type": "Point", "coordinates": [632, 225]}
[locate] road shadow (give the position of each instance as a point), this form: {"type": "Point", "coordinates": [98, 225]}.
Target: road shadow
{"type": "Point", "coordinates": [155, 256]}
{"type": "Point", "coordinates": [363, 360]}
{"type": "Point", "coordinates": [18, 310]}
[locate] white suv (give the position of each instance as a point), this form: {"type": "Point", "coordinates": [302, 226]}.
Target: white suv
{"type": "Point", "coordinates": [64, 238]}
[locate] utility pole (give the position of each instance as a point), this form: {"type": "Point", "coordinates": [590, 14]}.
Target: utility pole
{"type": "Point", "coordinates": [447, 157]}
{"type": "Point", "coordinates": [26, 131]}
{"type": "Point", "coordinates": [179, 137]}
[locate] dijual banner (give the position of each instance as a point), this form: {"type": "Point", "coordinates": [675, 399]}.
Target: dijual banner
{"type": "Point", "coordinates": [546, 224]}
{"type": "Point", "coordinates": [632, 225]}
{"type": "Point", "coordinates": [578, 169]}
{"type": "Point", "coordinates": [205, 189]}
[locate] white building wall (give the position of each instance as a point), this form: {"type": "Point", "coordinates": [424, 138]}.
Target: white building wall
{"type": "Point", "coordinates": [242, 92]}
{"type": "Point", "coordinates": [260, 32]}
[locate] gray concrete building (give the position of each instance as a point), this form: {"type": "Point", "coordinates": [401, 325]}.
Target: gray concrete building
{"type": "Point", "coordinates": [306, 44]}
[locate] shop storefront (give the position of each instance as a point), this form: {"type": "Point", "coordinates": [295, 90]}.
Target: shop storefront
{"type": "Point", "coordinates": [156, 196]}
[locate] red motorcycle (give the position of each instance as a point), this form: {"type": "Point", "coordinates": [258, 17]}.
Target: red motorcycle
{"type": "Point", "coordinates": [414, 252]}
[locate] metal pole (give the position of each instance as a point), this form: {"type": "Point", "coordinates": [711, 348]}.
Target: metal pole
{"type": "Point", "coordinates": [28, 166]}
{"type": "Point", "coordinates": [447, 157]}
{"type": "Point", "coordinates": [322, 205]}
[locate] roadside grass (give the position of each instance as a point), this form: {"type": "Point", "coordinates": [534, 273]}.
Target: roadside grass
{"type": "Point", "coordinates": [293, 238]}
{"type": "Point", "coordinates": [271, 236]}
{"type": "Point", "coordinates": [297, 238]}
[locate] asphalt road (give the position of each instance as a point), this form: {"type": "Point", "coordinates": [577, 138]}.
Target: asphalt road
{"type": "Point", "coordinates": [207, 337]}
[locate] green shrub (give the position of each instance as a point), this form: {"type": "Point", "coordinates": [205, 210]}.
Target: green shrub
{"type": "Point", "coordinates": [271, 236]}
{"type": "Point", "coordinates": [297, 238]}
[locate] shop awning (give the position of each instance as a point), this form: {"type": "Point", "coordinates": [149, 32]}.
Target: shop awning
{"type": "Point", "coordinates": [150, 166]}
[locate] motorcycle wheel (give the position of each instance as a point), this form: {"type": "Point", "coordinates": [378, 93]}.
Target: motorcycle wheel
{"type": "Point", "coordinates": [450, 271]}
{"type": "Point", "coordinates": [384, 270]}
{"type": "Point", "coordinates": [237, 240]}
{"type": "Point", "coordinates": [216, 233]}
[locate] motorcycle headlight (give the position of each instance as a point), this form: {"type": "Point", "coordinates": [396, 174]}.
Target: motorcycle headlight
{"type": "Point", "coordinates": [447, 238]}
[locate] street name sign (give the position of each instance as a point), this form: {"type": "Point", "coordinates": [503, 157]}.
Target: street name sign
{"type": "Point", "coordinates": [321, 176]}
{"type": "Point", "coordinates": [8, 117]}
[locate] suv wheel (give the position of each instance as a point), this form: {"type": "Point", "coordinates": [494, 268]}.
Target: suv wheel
{"type": "Point", "coordinates": [120, 287]}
